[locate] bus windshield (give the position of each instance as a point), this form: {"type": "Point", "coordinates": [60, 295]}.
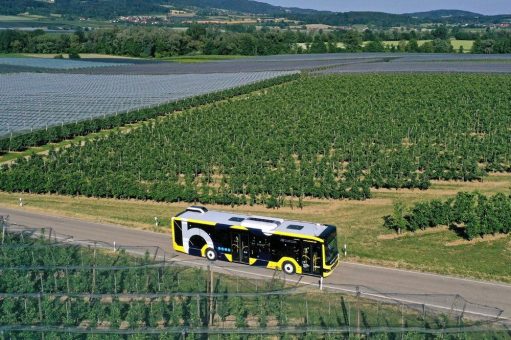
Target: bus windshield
{"type": "Point", "coordinates": [331, 247]}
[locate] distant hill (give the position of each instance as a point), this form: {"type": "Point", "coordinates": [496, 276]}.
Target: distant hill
{"type": "Point", "coordinates": [444, 13]}
{"type": "Point", "coordinates": [108, 9]}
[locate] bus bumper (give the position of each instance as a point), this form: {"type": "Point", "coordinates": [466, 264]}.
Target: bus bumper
{"type": "Point", "coordinates": [329, 271]}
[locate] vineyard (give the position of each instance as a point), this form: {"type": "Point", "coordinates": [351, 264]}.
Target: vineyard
{"type": "Point", "coordinates": [67, 291]}
{"type": "Point", "coordinates": [480, 215]}
{"type": "Point", "coordinates": [53, 122]}
{"type": "Point", "coordinates": [31, 101]}
{"type": "Point", "coordinates": [327, 137]}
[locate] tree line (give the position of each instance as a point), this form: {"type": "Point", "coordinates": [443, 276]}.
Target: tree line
{"type": "Point", "coordinates": [159, 42]}
{"type": "Point", "coordinates": [478, 214]}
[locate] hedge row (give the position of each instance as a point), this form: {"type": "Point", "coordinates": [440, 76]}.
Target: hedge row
{"type": "Point", "coordinates": [478, 214]}
{"type": "Point", "coordinates": [58, 133]}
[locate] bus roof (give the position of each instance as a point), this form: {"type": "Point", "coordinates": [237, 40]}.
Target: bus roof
{"type": "Point", "coordinates": [268, 225]}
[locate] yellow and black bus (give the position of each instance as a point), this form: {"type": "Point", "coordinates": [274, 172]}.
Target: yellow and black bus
{"type": "Point", "coordinates": [291, 246]}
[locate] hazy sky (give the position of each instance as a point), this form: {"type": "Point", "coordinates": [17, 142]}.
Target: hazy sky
{"type": "Point", "coordinates": [400, 6]}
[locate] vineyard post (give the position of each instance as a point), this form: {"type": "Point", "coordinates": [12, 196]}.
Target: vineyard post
{"type": "Point", "coordinates": [378, 313]}
{"type": "Point", "coordinates": [210, 288]}
{"type": "Point", "coordinates": [349, 317]}
{"type": "Point", "coordinates": [94, 270]}
{"type": "Point", "coordinates": [358, 310]}
{"type": "Point", "coordinates": [67, 280]}
{"type": "Point", "coordinates": [3, 229]}
{"type": "Point", "coordinates": [460, 319]}
{"type": "Point", "coordinates": [198, 307]}
{"type": "Point", "coordinates": [306, 312]}
{"type": "Point", "coordinates": [402, 319]}
{"type": "Point", "coordinates": [424, 315]}
{"type": "Point", "coordinates": [40, 307]}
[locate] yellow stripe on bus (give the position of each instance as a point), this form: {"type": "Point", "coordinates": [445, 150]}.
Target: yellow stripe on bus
{"type": "Point", "coordinates": [282, 233]}
{"type": "Point", "coordinates": [238, 227]}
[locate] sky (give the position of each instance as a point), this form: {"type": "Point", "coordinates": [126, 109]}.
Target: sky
{"type": "Point", "coordinates": [400, 6]}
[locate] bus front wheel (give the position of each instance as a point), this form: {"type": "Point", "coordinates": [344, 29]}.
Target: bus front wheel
{"type": "Point", "coordinates": [288, 268]}
{"type": "Point", "coordinates": [211, 254]}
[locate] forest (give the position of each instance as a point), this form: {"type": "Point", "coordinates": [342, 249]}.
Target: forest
{"type": "Point", "coordinates": [326, 137]}
{"type": "Point", "coordinates": [471, 214]}
{"type": "Point", "coordinates": [160, 42]}
{"type": "Point", "coordinates": [66, 291]}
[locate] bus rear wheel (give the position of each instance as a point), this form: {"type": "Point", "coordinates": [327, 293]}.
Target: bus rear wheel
{"type": "Point", "coordinates": [288, 268]}
{"type": "Point", "coordinates": [211, 254]}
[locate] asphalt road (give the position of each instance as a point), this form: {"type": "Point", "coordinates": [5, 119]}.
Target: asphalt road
{"type": "Point", "coordinates": [435, 291]}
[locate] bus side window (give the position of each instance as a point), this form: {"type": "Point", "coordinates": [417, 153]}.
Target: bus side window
{"type": "Point", "coordinates": [259, 247]}
{"type": "Point", "coordinates": [283, 247]}
{"type": "Point", "coordinates": [222, 239]}
{"type": "Point", "coordinates": [178, 233]}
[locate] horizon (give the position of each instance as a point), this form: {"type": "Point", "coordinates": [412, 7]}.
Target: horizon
{"type": "Point", "coordinates": [490, 7]}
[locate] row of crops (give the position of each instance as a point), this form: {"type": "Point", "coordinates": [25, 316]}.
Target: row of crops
{"type": "Point", "coordinates": [108, 100]}
{"type": "Point", "coordinates": [31, 101]}
{"type": "Point", "coordinates": [327, 137]}
{"type": "Point", "coordinates": [53, 287]}
{"type": "Point", "coordinates": [478, 214]}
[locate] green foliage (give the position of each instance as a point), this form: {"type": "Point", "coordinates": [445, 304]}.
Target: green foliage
{"type": "Point", "coordinates": [326, 137]}
{"type": "Point", "coordinates": [62, 132]}
{"type": "Point", "coordinates": [480, 215]}
{"type": "Point", "coordinates": [397, 221]}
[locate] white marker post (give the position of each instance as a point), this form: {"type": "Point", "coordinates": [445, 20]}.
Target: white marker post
{"type": "Point", "coordinates": [21, 202]}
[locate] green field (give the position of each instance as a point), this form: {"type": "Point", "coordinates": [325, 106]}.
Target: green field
{"type": "Point", "coordinates": [47, 285]}
{"type": "Point", "coordinates": [307, 143]}
{"type": "Point", "coordinates": [324, 137]}
{"type": "Point", "coordinates": [467, 44]}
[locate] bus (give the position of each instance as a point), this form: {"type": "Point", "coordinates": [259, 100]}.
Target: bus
{"type": "Point", "coordinates": [291, 246]}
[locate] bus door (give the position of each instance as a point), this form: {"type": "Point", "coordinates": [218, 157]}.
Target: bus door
{"type": "Point", "coordinates": [311, 257]}
{"type": "Point", "coordinates": [239, 246]}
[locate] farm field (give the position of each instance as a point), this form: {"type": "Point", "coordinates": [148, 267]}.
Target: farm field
{"type": "Point", "coordinates": [48, 285]}
{"type": "Point", "coordinates": [48, 63]}
{"type": "Point", "coordinates": [325, 137]}
{"type": "Point", "coordinates": [309, 147]}
{"type": "Point", "coordinates": [39, 100]}
{"type": "Point", "coordinates": [467, 44]}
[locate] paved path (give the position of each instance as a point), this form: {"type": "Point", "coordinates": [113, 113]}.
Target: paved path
{"type": "Point", "coordinates": [373, 280]}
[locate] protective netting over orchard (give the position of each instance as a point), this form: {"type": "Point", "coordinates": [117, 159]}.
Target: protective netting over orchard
{"type": "Point", "coordinates": [59, 286]}
{"type": "Point", "coordinates": [38, 100]}
{"type": "Point", "coordinates": [59, 64]}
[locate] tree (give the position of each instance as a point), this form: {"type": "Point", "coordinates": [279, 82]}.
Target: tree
{"type": "Point", "coordinates": [352, 41]}
{"type": "Point", "coordinates": [397, 221]}
{"type": "Point", "coordinates": [441, 32]}
{"type": "Point", "coordinates": [374, 46]}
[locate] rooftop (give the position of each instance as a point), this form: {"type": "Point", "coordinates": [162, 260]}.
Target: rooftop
{"type": "Point", "coordinates": [266, 224]}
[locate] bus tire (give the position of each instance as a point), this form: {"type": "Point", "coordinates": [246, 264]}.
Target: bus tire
{"type": "Point", "coordinates": [211, 254]}
{"type": "Point", "coordinates": [288, 268]}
